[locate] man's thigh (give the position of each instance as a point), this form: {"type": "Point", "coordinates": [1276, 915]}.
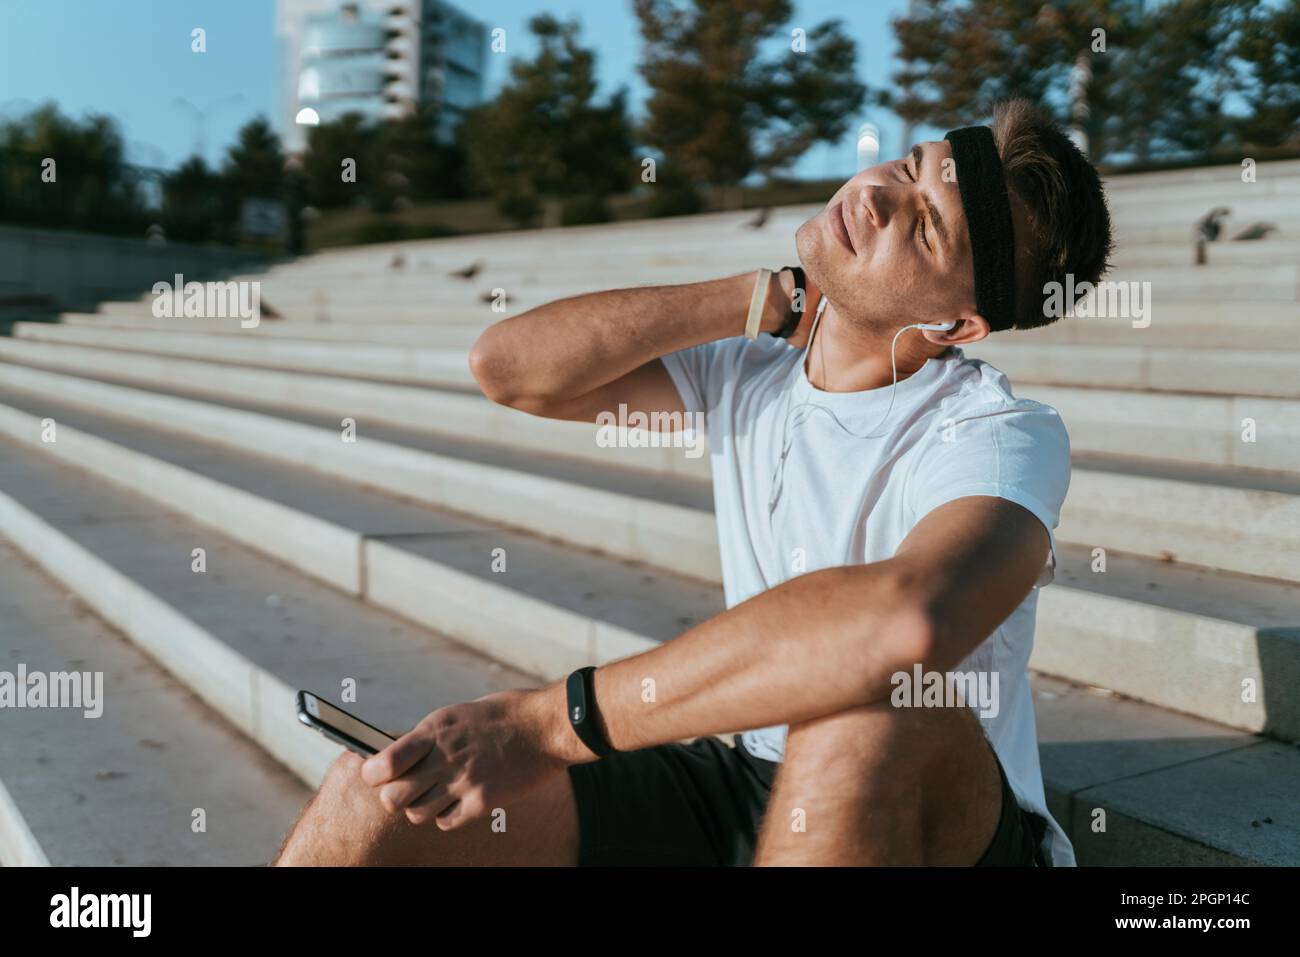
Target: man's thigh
{"type": "Point", "coordinates": [346, 825]}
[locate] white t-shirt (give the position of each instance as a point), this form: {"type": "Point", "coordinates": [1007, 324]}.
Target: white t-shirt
{"type": "Point", "coordinates": [955, 430]}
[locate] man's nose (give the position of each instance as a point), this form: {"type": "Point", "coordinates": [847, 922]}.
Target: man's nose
{"type": "Point", "coordinates": [878, 204]}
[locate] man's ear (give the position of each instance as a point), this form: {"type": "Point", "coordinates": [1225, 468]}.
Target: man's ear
{"type": "Point", "coordinates": [971, 327]}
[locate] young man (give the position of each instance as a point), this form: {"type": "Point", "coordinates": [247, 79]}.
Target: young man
{"type": "Point", "coordinates": [870, 535]}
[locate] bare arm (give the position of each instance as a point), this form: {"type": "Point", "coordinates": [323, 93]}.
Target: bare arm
{"type": "Point", "coordinates": [577, 357]}
{"type": "Point", "coordinates": [823, 642]}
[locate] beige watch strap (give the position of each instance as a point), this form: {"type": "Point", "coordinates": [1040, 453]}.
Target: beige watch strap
{"type": "Point", "coordinates": [756, 303]}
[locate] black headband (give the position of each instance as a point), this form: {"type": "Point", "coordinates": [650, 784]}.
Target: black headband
{"type": "Point", "coordinates": [988, 218]}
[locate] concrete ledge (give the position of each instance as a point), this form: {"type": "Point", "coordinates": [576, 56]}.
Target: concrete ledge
{"type": "Point", "coordinates": [533, 635]}
{"type": "Point", "coordinates": [266, 695]}
{"type": "Point", "coordinates": [1113, 642]}
{"type": "Point", "coordinates": [1245, 530]}
{"type": "Point", "coordinates": [671, 536]}
{"type": "Point", "coordinates": [1241, 529]}
{"type": "Point", "coordinates": [1200, 659]}
{"type": "Point", "coordinates": [1204, 429]}
{"type": "Point", "coordinates": [429, 335]}
{"type": "Point", "coordinates": [1220, 371]}
{"type": "Point", "coordinates": [18, 845]}
{"type": "Point", "coordinates": [251, 699]}
{"type": "Point", "coordinates": [436, 367]}
{"type": "Point", "coordinates": [420, 409]}
{"type": "Point", "coordinates": [317, 548]}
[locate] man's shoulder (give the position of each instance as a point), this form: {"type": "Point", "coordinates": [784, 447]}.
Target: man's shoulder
{"type": "Point", "coordinates": [979, 389]}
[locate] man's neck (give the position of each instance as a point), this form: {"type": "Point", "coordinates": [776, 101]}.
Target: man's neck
{"type": "Point", "coordinates": [846, 358]}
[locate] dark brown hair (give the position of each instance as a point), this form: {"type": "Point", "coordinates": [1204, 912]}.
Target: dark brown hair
{"type": "Point", "coordinates": [1061, 194]}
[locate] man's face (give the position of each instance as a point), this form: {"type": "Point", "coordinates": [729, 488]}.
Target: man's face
{"type": "Point", "coordinates": [891, 247]}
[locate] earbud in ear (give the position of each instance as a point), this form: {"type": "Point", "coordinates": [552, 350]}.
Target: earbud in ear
{"type": "Point", "coordinates": [935, 326]}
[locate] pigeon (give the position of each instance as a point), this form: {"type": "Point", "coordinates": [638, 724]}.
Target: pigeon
{"type": "Point", "coordinates": [1209, 225]}
{"type": "Point", "coordinates": [1256, 231]}
{"type": "Point", "coordinates": [759, 221]}
{"type": "Point", "coordinates": [469, 272]}
{"type": "Point", "coordinates": [398, 262]}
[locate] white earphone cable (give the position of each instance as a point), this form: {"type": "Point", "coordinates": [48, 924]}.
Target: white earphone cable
{"type": "Point", "coordinates": [778, 473]}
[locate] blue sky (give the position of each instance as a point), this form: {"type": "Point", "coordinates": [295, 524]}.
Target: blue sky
{"type": "Point", "coordinates": [131, 59]}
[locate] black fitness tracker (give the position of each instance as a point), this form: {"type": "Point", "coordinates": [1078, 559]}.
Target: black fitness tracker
{"type": "Point", "coordinates": [796, 315]}
{"type": "Point", "coordinates": [584, 717]}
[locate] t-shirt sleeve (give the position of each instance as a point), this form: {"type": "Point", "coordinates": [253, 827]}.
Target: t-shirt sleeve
{"type": "Point", "coordinates": [690, 371]}
{"type": "Point", "coordinates": [1019, 451]}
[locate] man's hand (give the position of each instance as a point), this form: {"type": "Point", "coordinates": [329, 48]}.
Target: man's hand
{"type": "Point", "coordinates": [779, 304]}
{"type": "Point", "coordinates": [462, 761]}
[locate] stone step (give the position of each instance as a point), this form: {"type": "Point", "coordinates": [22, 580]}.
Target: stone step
{"type": "Point", "coordinates": [1175, 790]}
{"type": "Point", "coordinates": [1210, 325]}
{"type": "Point", "coordinates": [1269, 251]}
{"type": "Point", "coordinates": [1196, 429]}
{"type": "Point", "coordinates": [444, 336]}
{"type": "Point", "coordinates": [150, 775]}
{"type": "Point", "coordinates": [1224, 518]}
{"type": "Point", "coordinates": [245, 633]}
{"type": "Point", "coordinates": [1142, 785]}
{"type": "Point", "coordinates": [1241, 372]}
{"type": "Point", "coordinates": [1193, 631]}
{"type": "Point", "coordinates": [448, 368]}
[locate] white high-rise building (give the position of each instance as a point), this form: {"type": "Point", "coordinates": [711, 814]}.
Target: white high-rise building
{"type": "Point", "coordinates": [379, 58]}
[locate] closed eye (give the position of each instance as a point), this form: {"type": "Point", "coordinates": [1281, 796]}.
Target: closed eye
{"type": "Point", "coordinates": [920, 223]}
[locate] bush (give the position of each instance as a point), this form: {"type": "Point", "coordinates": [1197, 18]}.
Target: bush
{"type": "Point", "coordinates": [580, 210]}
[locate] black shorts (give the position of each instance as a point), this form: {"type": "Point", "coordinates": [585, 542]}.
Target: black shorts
{"type": "Point", "coordinates": [701, 804]}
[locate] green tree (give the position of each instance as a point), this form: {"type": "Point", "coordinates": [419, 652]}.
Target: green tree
{"type": "Point", "coordinates": [545, 136]}
{"type": "Point", "coordinates": [959, 58]}
{"type": "Point", "coordinates": [413, 164]}
{"type": "Point", "coordinates": [191, 201]}
{"type": "Point", "coordinates": [93, 188]}
{"type": "Point", "coordinates": [328, 145]}
{"type": "Point", "coordinates": [1158, 87]}
{"type": "Point", "coordinates": [254, 169]}
{"type": "Point", "coordinates": [722, 105]}
{"type": "Point", "coordinates": [1268, 52]}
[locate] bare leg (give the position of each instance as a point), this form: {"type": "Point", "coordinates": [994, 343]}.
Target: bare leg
{"type": "Point", "coordinates": [881, 785]}
{"type": "Point", "coordinates": [345, 825]}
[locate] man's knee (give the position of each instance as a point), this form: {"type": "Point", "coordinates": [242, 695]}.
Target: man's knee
{"type": "Point", "coordinates": [883, 752]}
{"type": "Point", "coordinates": [882, 734]}
{"type": "Point", "coordinates": [342, 823]}
{"type": "Point", "coordinates": [933, 766]}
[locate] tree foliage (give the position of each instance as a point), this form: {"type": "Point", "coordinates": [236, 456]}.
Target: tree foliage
{"type": "Point", "coordinates": [723, 104]}
{"type": "Point", "coordinates": [546, 136]}
{"type": "Point", "coordinates": [1176, 78]}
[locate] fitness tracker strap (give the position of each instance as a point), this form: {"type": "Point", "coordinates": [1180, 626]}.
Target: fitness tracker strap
{"type": "Point", "coordinates": [796, 315]}
{"type": "Point", "coordinates": [583, 715]}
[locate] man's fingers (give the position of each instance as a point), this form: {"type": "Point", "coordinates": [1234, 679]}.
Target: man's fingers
{"type": "Point", "coordinates": [430, 804]}
{"type": "Point", "coordinates": [469, 808]}
{"type": "Point", "coordinates": [408, 789]}
{"type": "Point", "coordinates": [400, 756]}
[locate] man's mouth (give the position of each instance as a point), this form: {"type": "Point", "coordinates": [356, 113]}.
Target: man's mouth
{"type": "Point", "coordinates": [839, 224]}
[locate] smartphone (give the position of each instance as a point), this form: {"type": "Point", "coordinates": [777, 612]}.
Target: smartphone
{"type": "Point", "coordinates": [337, 725]}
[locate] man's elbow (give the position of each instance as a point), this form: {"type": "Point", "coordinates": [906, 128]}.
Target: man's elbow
{"type": "Point", "coordinates": [915, 635]}
{"type": "Point", "coordinates": [489, 364]}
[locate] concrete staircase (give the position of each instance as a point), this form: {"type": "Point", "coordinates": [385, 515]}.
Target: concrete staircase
{"type": "Point", "coordinates": [374, 556]}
